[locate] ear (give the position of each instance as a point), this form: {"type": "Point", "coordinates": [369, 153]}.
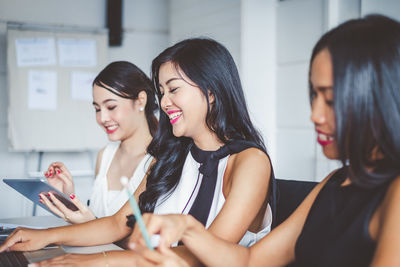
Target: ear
{"type": "Point", "coordinates": [211, 98]}
{"type": "Point", "coordinates": [142, 99]}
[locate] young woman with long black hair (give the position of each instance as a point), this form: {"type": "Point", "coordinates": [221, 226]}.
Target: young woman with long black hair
{"type": "Point", "coordinates": [210, 160]}
{"type": "Point", "coordinates": [125, 107]}
{"type": "Point", "coordinates": [352, 217]}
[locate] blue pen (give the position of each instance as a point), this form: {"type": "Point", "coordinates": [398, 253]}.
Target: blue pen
{"type": "Point", "coordinates": [136, 213]}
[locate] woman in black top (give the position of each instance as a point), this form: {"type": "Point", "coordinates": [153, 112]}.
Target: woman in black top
{"type": "Point", "coordinates": [352, 217]}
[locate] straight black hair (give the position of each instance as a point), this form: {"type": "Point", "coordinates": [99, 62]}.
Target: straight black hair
{"type": "Point", "coordinates": [365, 56]}
{"type": "Point", "coordinates": [211, 67]}
{"type": "Point", "coordinates": [126, 80]}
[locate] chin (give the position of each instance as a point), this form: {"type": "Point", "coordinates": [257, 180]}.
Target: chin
{"type": "Point", "coordinates": [113, 138]}
{"type": "Point", "coordinates": [177, 132]}
{"type": "Point", "coordinates": [330, 154]}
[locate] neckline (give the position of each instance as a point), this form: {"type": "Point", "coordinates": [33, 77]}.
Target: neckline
{"type": "Point", "coordinates": [199, 155]}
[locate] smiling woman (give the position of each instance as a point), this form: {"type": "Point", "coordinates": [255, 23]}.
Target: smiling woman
{"type": "Point", "coordinates": [321, 96]}
{"type": "Point", "coordinates": [125, 104]}
{"type": "Point", "coordinates": [210, 160]}
{"type": "Point", "coordinates": [183, 102]}
{"type": "Point", "coordinates": [352, 217]}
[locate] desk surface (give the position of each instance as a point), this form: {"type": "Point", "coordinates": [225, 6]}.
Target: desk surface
{"type": "Point", "coordinates": [40, 222]}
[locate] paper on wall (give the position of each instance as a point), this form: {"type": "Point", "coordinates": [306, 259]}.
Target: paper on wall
{"type": "Point", "coordinates": [35, 52]}
{"type": "Point", "coordinates": [81, 85]}
{"type": "Point", "coordinates": [77, 52]}
{"type": "Point", "coordinates": [42, 90]}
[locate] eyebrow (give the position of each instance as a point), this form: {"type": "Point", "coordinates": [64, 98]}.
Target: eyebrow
{"type": "Point", "coordinates": [171, 80]}
{"type": "Point", "coordinates": [104, 102]}
{"type": "Point", "coordinates": [323, 88]}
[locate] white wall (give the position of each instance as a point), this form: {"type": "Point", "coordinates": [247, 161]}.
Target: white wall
{"type": "Point", "coordinates": [299, 25]}
{"type": "Point", "coordinates": [145, 24]}
{"type": "Point", "coordinates": [258, 66]}
{"type": "Point", "coordinates": [389, 8]}
{"type": "Point", "coordinates": [218, 19]}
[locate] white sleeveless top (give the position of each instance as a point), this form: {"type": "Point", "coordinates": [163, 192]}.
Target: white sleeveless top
{"type": "Point", "coordinates": [182, 198]}
{"type": "Point", "coordinates": [104, 202]}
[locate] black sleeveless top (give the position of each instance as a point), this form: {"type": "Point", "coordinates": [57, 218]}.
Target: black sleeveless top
{"type": "Point", "coordinates": [336, 231]}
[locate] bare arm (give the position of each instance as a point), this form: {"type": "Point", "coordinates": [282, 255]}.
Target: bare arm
{"type": "Point", "coordinates": [246, 185]}
{"type": "Point", "coordinates": [101, 231]}
{"type": "Point", "coordinates": [275, 249]}
{"type": "Point", "coordinates": [388, 236]}
{"type": "Point", "coordinates": [95, 232]}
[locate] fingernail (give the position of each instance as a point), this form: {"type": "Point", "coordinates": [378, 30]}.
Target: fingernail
{"type": "Point", "coordinates": [72, 196]}
{"type": "Point", "coordinates": [48, 194]}
{"type": "Point", "coordinates": [41, 201]}
{"type": "Point", "coordinates": [45, 174]}
{"type": "Point", "coordinates": [132, 245]}
{"type": "Point", "coordinates": [58, 171]}
{"type": "Point", "coordinates": [40, 196]}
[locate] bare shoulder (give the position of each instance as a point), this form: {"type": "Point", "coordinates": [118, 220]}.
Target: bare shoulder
{"type": "Point", "coordinates": [394, 188]}
{"type": "Point", "coordinates": [392, 196]}
{"type": "Point", "coordinates": [387, 229]}
{"type": "Point", "coordinates": [251, 163]}
{"type": "Point", "coordinates": [98, 160]}
{"type": "Point", "coordinates": [251, 157]}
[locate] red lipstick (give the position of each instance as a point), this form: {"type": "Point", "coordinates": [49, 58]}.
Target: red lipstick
{"type": "Point", "coordinates": [324, 139]}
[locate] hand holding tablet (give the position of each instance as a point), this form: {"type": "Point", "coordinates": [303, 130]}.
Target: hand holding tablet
{"type": "Point", "coordinates": [32, 188]}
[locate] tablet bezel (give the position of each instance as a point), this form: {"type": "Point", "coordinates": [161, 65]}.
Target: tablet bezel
{"type": "Point", "coordinates": [31, 188]}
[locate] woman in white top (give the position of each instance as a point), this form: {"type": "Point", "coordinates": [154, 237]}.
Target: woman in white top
{"type": "Point", "coordinates": [210, 161]}
{"type": "Point", "coordinates": [125, 104]}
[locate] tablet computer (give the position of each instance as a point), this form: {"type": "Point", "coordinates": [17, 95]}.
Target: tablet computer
{"type": "Point", "coordinates": [31, 188]}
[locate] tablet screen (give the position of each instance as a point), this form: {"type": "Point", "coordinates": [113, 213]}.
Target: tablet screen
{"type": "Point", "coordinates": [31, 188]}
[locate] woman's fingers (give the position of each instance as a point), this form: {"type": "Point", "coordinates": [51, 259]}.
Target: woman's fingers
{"type": "Point", "coordinates": [82, 207]}
{"type": "Point", "coordinates": [150, 255]}
{"type": "Point", "coordinates": [51, 206]}
{"type": "Point", "coordinates": [136, 236]}
{"type": "Point", "coordinates": [169, 227]}
{"type": "Point", "coordinates": [164, 257]}
{"type": "Point", "coordinates": [173, 258]}
{"type": "Point", "coordinates": [17, 241]}
{"type": "Point", "coordinates": [66, 211]}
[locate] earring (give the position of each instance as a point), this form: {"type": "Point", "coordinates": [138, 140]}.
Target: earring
{"type": "Point", "coordinates": [141, 108]}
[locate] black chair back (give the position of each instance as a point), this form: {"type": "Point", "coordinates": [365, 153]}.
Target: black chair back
{"type": "Point", "coordinates": [289, 195]}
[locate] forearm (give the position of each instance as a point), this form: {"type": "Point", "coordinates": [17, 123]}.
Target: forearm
{"type": "Point", "coordinates": [97, 232]}
{"type": "Point", "coordinates": [187, 255]}
{"type": "Point", "coordinates": [211, 250]}
{"type": "Point", "coordinates": [119, 258]}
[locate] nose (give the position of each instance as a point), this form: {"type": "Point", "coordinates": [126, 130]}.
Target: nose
{"type": "Point", "coordinates": [104, 116]}
{"type": "Point", "coordinates": [318, 115]}
{"type": "Point", "coordinates": [165, 102]}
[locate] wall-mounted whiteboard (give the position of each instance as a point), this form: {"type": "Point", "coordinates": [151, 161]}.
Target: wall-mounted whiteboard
{"type": "Point", "coordinates": [49, 88]}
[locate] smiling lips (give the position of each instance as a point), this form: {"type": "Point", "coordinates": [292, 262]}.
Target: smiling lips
{"type": "Point", "coordinates": [111, 129]}
{"type": "Point", "coordinates": [174, 115]}
{"type": "Point", "coordinates": [324, 139]}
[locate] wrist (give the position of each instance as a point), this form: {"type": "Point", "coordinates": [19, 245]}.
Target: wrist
{"type": "Point", "coordinates": [52, 236]}
{"type": "Point", "coordinates": [193, 227]}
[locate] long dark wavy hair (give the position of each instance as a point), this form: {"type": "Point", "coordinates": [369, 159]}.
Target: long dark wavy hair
{"type": "Point", "coordinates": [365, 56]}
{"type": "Point", "coordinates": [211, 67]}
{"type": "Point", "coordinates": [126, 80]}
